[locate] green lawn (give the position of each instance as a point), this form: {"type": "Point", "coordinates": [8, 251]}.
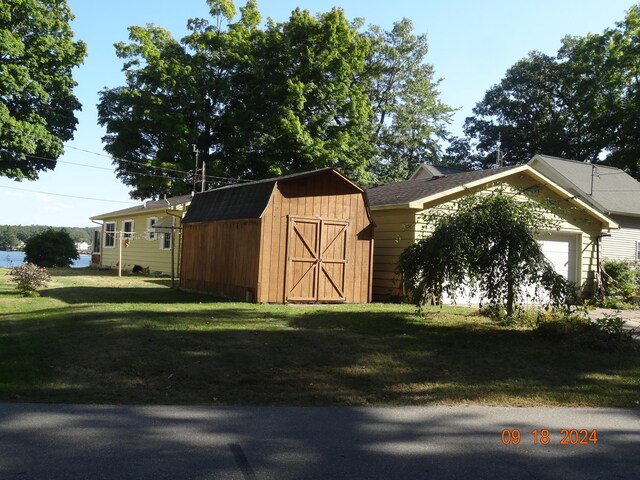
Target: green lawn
{"type": "Point", "coordinates": [93, 337]}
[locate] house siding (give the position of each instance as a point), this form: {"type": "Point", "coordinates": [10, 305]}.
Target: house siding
{"type": "Point", "coordinates": [395, 231]}
{"type": "Point", "coordinates": [621, 245]}
{"type": "Point", "coordinates": [140, 250]}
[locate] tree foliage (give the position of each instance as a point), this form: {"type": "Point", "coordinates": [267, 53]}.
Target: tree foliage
{"type": "Point", "coordinates": [488, 244]}
{"type": "Point", "coordinates": [259, 101]}
{"type": "Point", "coordinates": [583, 103]}
{"type": "Point", "coordinates": [409, 118]}
{"type": "Point", "coordinates": [51, 248]}
{"type": "Point", "coordinates": [37, 105]}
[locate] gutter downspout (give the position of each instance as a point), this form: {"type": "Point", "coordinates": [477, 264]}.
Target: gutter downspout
{"type": "Point", "coordinates": [174, 213]}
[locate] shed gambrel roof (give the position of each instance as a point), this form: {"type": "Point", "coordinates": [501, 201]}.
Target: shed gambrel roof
{"type": "Point", "coordinates": [148, 206]}
{"type": "Point", "coordinates": [612, 191]}
{"type": "Point", "coordinates": [246, 200]}
{"type": "Point", "coordinates": [415, 193]}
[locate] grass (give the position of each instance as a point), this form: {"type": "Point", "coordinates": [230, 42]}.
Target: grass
{"type": "Point", "coordinates": [94, 338]}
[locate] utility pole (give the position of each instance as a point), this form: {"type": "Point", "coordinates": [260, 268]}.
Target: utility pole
{"type": "Point", "coordinates": [203, 175]}
{"type": "Point", "coordinates": [499, 153]}
{"type": "Point", "coordinates": [195, 170]}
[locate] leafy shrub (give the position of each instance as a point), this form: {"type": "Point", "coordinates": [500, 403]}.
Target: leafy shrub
{"type": "Point", "coordinates": [29, 277]}
{"type": "Point", "coordinates": [51, 248]}
{"type": "Point", "coordinates": [621, 281]}
{"type": "Point", "coordinates": [606, 333]}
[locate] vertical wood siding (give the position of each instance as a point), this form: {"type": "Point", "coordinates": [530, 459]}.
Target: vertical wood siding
{"type": "Point", "coordinates": [221, 257]}
{"type": "Point", "coordinates": [325, 197]}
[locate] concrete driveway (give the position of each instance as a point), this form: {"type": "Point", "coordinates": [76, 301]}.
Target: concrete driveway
{"type": "Point", "coordinates": [122, 442]}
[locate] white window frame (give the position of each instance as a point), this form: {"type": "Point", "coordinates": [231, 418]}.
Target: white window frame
{"type": "Point", "coordinates": [164, 239]}
{"type": "Point", "coordinates": [127, 235]}
{"type": "Point", "coordinates": [151, 232]}
{"type": "Point", "coordinates": [109, 234]}
{"type": "Point", "coordinates": [637, 250]}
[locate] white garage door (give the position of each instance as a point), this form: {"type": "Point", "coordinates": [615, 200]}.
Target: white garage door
{"type": "Point", "coordinates": [559, 250]}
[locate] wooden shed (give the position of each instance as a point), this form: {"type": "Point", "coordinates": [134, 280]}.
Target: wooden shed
{"type": "Point", "coordinates": [306, 237]}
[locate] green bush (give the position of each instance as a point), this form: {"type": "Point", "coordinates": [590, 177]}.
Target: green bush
{"type": "Point", "coordinates": [29, 277]}
{"type": "Point", "coordinates": [51, 248]}
{"type": "Point", "coordinates": [622, 279]}
{"type": "Point", "coordinates": [607, 334]}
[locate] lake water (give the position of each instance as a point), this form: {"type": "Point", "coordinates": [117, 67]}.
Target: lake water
{"type": "Point", "coordinates": [13, 259]}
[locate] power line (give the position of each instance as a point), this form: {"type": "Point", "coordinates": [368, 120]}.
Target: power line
{"type": "Point", "coordinates": [69, 196]}
{"type": "Point", "coordinates": [127, 161]}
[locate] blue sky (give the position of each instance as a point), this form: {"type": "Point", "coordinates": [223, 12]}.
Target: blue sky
{"type": "Point", "coordinates": [472, 43]}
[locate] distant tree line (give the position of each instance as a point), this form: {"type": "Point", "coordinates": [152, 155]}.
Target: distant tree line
{"type": "Point", "coordinates": [13, 235]}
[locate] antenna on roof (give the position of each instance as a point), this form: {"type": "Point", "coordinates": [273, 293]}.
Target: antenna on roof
{"type": "Point", "coordinates": [594, 173]}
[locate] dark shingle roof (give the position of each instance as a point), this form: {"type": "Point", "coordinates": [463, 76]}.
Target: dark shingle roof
{"type": "Point", "coordinates": [243, 201]}
{"type": "Point", "coordinates": [234, 202]}
{"type": "Point", "coordinates": [149, 205]}
{"type": "Point", "coordinates": [410, 190]}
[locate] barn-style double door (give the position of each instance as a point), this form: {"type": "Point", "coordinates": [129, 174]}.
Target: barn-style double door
{"type": "Point", "coordinates": [316, 260]}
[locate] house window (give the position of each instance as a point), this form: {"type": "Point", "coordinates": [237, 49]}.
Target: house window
{"type": "Point", "coordinates": [637, 251]}
{"type": "Point", "coordinates": [96, 241]}
{"type": "Point", "coordinates": [109, 234]}
{"type": "Point", "coordinates": [151, 232]}
{"type": "Point", "coordinates": [127, 229]}
{"type": "Point", "coordinates": [166, 241]}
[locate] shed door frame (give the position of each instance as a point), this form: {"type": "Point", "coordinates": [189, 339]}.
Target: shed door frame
{"type": "Point", "coordinates": [322, 247]}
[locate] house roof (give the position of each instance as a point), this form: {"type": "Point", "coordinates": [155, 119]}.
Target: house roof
{"type": "Point", "coordinates": [415, 193]}
{"type": "Point", "coordinates": [430, 170]}
{"type": "Point", "coordinates": [148, 206]}
{"type": "Point", "coordinates": [400, 193]}
{"type": "Point", "coordinates": [247, 200]}
{"type": "Point", "coordinates": [614, 191]}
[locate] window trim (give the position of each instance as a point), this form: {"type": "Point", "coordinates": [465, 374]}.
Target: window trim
{"type": "Point", "coordinates": [151, 232]}
{"type": "Point", "coordinates": [637, 250]}
{"type": "Point", "coordinates": [109, 234]}
{"type": "Point", "coordinates": [163, 240]}
{"type": "Point", "coordinates": [128, 235]}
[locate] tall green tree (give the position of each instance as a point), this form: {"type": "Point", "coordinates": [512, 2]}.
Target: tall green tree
{"type": "Point", "coordinates": [582, 104]}
{"type": "Point", "coordinates": [538, 107]}
{"type": "Point", "coordinates": [37, 104]}
{"type": "Point", "coordinates": [487, 244]}
{"type": "Point", "coordinates": [409, 117]}
{"type": "Point", "coordinates": [260, 101]}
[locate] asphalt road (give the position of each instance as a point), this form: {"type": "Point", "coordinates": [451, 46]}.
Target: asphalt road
{"type": "Point", "coordinates": [157, 442]}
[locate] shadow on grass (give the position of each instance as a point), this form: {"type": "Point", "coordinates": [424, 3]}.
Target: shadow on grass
{"type": "Point", "coordinates": [284, 356]}
{"type": "Point", "coordinates": [124, 294]}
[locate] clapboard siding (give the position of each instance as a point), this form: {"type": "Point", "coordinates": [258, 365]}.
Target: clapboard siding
{"type": "Point", "coordinates": [621, 245]}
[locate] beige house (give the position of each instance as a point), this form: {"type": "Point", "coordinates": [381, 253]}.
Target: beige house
{"type": "Point", "coordinates": [147, 236]}
{"type": "Point", "coordinates": [397, 209]}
